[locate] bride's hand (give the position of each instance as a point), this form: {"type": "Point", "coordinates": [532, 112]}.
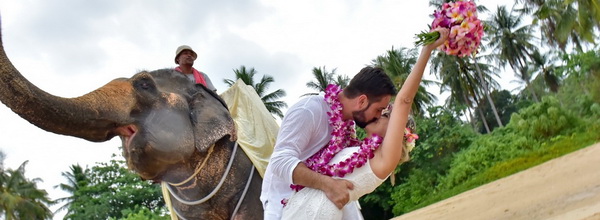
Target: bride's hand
{"type": "Point", "coordinates": [444, 32]}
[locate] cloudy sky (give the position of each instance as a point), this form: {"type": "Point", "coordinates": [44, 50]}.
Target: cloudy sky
{"type": "Point", "coordinates": [70, 47]}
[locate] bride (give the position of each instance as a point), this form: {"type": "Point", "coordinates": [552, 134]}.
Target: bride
{"type": "Point", "coordinates": [309, 203]}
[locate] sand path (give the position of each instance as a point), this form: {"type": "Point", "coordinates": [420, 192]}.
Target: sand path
{"type": "Point", "coordinates": [567, 187]}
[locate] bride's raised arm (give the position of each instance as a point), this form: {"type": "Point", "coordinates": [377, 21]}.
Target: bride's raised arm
{"type": "Point", "coordinates": [388, 156]}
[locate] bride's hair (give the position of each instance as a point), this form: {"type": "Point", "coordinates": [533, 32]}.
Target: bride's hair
{"type": "Point", "coordinates": [410, 123]}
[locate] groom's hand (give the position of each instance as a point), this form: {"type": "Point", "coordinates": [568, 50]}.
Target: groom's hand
{"type": "Point", "coordinates": [338, 191]}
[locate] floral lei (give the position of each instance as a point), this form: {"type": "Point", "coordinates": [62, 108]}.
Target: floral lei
{"type": "Point", "coordinates": [342, 136]}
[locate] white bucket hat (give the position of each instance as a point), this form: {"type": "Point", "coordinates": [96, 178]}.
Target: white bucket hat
{"type": "Point", "coordinates": [181, 49]}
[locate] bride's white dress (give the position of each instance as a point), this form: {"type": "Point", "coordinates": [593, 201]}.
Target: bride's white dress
{"type": "Point", "coordinates": [310, 203]}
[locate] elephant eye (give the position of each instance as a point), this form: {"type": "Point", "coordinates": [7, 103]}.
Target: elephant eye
{"type": "Point", "coordinates": [144, 84]}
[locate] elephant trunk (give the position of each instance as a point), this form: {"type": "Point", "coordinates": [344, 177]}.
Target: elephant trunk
{"type": "Point", "coordinates": [93, 117]}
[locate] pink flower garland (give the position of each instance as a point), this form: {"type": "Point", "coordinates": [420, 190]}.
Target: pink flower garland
{"type": "Point", "coordinates": [342, 136]}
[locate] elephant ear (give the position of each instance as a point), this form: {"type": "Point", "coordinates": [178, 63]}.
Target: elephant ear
{"type": "Point", "coordinates": [211, 118]}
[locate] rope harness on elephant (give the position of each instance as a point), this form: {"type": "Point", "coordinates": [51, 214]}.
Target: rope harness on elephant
{"type": "Point", "coordinates": [216, 189]}
{"type": "Point", "coordinates": [210, 150]}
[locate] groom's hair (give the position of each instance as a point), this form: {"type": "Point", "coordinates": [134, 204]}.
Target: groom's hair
{"type": "Point", "coordinates": [371, 81]}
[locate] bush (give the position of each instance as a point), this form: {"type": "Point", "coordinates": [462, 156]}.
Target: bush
{"type": "Point", "coordinates": [544, 120]}
{"type": "Point", "coordinates": [409, 195]}
{"type": "Point", "coordinates": [502, 144]}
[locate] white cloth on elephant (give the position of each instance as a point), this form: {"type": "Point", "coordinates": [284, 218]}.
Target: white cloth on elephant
{"type": "Point", "coordinates": [255, 126]}
{"type": "Point", "coordinates": [310, 203]}
{"type": "Point", "coordinates": [304, 130]}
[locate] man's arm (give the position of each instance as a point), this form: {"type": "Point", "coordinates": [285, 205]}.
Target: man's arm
{"type": "Point", "coordinates": [337, 190]}
{"type": "Point", "coordinates": [209, 84]}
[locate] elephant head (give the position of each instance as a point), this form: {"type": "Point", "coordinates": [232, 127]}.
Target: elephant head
{"type": "Point", "coordinates": [161, 117]}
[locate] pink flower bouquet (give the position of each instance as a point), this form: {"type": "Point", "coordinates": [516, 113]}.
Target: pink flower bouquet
{"type": "Point", "coordinates": [466, 30]}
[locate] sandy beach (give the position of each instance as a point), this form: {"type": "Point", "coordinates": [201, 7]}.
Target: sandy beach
{"type": "Point", "coordinates": [567, 187]}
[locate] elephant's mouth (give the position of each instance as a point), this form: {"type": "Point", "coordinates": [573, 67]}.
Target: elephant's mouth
{"type": "Point", "coordinates": [126, 133]}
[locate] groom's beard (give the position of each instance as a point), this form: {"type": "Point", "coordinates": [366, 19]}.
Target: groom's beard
{"type": "Point", "coordinates": [360, 119]}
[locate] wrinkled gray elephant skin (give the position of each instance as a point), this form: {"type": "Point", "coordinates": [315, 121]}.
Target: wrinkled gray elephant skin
{"type": "Point", "coordinates": [168, 126]}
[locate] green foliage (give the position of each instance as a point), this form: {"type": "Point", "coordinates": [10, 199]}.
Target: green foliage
{"type": "Point", "coordinates": [143, 213]}
{"type": "Point", "coordinates": [583, 76]}
{"type": "Point", "coordinates": [323, 78]}
{"type": "Point", "coordinates": [556, 147]}
{"type": "Point", "coordinates": [544, 120]}
{"type": "Point", "coordinates": [525, 133]}
{"type": "Point", "coordinates": [440, 135]}
{"type": "Point", "coordinates": [417, 188]}
{"type": "Point", "coordinates": [113, 191]}
{"type": "Point", "coordinates": [483, 153]}
{"type": "Point", "coordinates": [76, 179]}
{"type": "Point", "coordinates": [506, 104]}
{"type": "Point", "coordinates": [20, 198]}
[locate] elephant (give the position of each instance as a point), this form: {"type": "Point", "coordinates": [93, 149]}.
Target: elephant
{"type": "Point", "coordinates": [173, 131]}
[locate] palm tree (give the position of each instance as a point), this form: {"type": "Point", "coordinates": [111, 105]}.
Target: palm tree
{"type": "Point", "coordinates": [543, 64]}
{"type": "Point", "coordinates": [76, 180]}
{"type": "Point", "coordinates": [511, 43]}
{"type": "Point", "coordinates": [397, 63]}
{"type": "Point", "coordinates": [20, 198]}
{"type": "Point", "coordinates": [561, 22]}
{"type": "Point", "coordinates": [322, 79]}
{"type": "Point", "coordinates": [456, 82]}
{"type": "Point", "coordinates": [270, 100]}
{"type": "Point", "coordinates": [458, 77]}
{"type": "Point", "coordinates": [486, 90]}
{"type": "Point", "coordinates": [2, 156]}
{"type": "Point", "coordinates": [342, 80]}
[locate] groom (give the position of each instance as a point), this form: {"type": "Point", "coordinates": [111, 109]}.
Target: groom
{"type": "Point", "coordinates": [305, 130]}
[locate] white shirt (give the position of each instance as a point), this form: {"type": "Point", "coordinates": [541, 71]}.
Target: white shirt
{"type": "Point", "coordinates": [304, 131]}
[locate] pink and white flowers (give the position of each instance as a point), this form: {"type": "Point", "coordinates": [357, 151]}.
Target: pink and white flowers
{"type": "Point", "coordinates": [466, 30]}
{"type": "Point", "coordinates": [410, 139]}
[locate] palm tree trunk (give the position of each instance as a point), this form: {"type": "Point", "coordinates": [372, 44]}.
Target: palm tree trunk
{"type": "Point", "coordinates": [485, 124]}
{"type": "Point", "coordinates": [526, 78]}
{"type": "Point", "coordinates": [481, 115]}
{"type": "Point", "coordinates": [531, 89]}
{"type": "Point", "coordinates": [487, 93]}
{"type": "Point", "coordinates": [471, 118]}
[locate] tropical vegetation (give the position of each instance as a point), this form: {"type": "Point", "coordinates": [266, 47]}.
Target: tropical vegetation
{"type": "Point", "coordinates": [20, 197]}
{"type": "Point", "coordinates": [110, 191]}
